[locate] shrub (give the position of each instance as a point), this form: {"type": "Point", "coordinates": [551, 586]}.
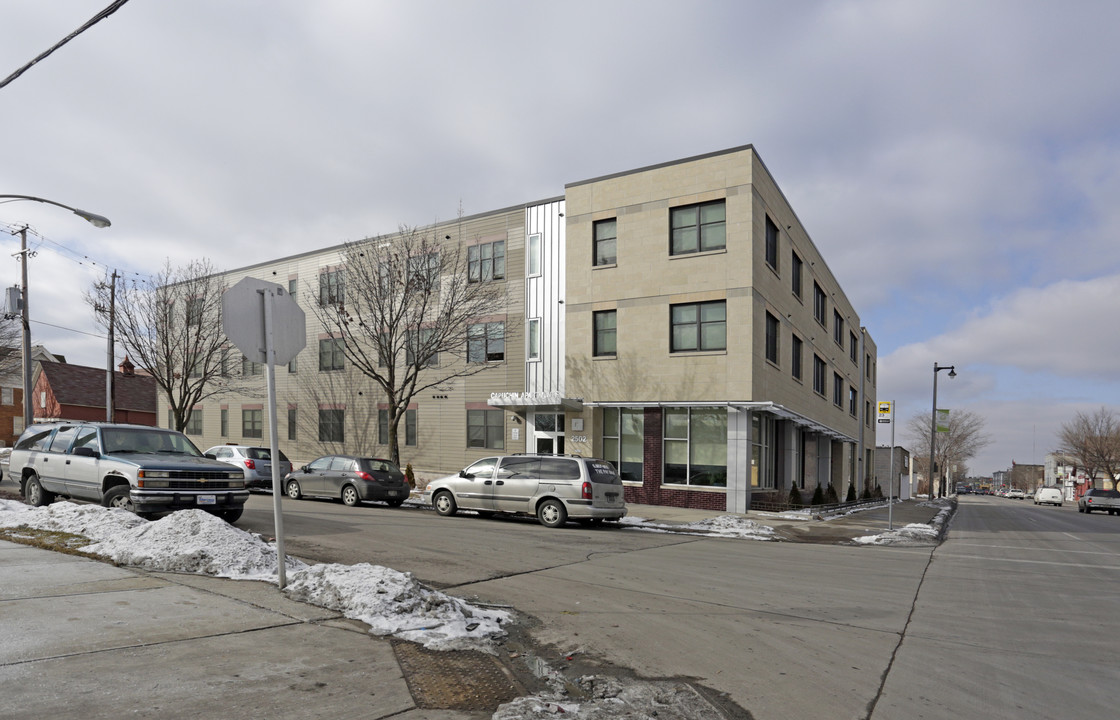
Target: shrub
{"type": "Point", "coordinates": [878, 492]}
{"type": "Point", "coordinates": [410, 476]}
{"type": "Point", "coordinates": [818, 496]}
{"type": "Point", "coordinates": [830, 495]}
{"type": "Point", "coordinates": [851, 497]}
{"type": "Point", "coordinates": [794, 497]}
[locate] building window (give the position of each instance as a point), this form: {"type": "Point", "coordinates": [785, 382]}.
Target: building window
{"type": "Point", "coordinates": [224, 423]}
{"type": "Point", "coordinates": [853, 347]}
{"type": "Point", "coordinates": [332, 354]}
{"type": "Point", "coordinates": [486, 262]}
{"type": "Point", "coordinates": [764, 459]}
{"type": "Point", "coordinates": [697, 228]}
{"type": "Point", "coordinates": [819, 381]}
{"type": "Point", "coordinates": [606, 242]}
{"type": "Point", "coordinates": [838, 328]}
{"type": "Point", "coordinates": [486, 429]}
{"type": "Point", "coordinates": [293, 285]}
{"type": "Point", "coordinates": [486, 342]}
{"type": "Point", "coordinates": [418, 342]}
{"type": "Point", "coordinates": [194, 311]}
{"type": "Point", "coordinates": [534, 255]}
{"type": "Point", "coordinates": [248, 367]}
{"type": "Point", "coordinates": [820, 305]}
{"type": "Point", "coordinates": [292, 367]}
{"type": "Point", "coordinates": [533, 338]}
{"type": "Point", "coordinates": [695, 447]}
{"type": "Point", "coordinates": [853, 401]}
{"type": "Point", "coordinates": [293, 424]}
{"type": "Point", "coordinates": [331, 425]}
{"type": "Point", "coordinates": [252, 423]}
{"type": "Point", "coordinates": [409, 427]}
{"type": "Point", "coordinates": [795, 357]}
{"type": "Point", "coordinates": [795, 273]}
{"type": "Point", "coordinates": [771, 244]}
{"type": "Point", "coordinates": [698, 326]}
{"type": "Point", "coordinates": [606, 333]}
{"type": "Point", "coordinates": [7, 396]}
{"type": "Point", "coordinates": [194, 424]}
{"type": "Point", "coordinates": [772, 328]}
{"type": "Point", "coordinates": [867, 413]}
{"type": "Point", "coordinates": [330, 287]}
{"type": "Point", "coordinates": [837, 390]}
{"type": "Point", "coordinates": [623, 441]}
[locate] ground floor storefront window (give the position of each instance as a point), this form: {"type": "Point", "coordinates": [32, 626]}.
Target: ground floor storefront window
{"type": "Point", "coordinates": [623, 447]}
{"type": "Point", "coordinates": [695, 447]}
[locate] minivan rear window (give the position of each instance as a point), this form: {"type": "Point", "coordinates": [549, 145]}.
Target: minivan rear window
{"type": "Point", "coordinates": [559, 469]}
{"type": "Point", "coordinates": [602, 471]}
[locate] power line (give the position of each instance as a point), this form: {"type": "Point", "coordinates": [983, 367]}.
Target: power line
{"type": "Point", "coordinates": [113, 7]}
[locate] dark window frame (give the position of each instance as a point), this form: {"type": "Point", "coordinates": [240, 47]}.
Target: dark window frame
{"type": "Point", "coordinates": [700, 324]}
{"type": "Point", "coordinates": [679, 229]}
{"type": "Point", "coordinates": [773, 338]}
{"type": "Point", "coordinates": [772, 242]}
{"type": "Point", "coordinates": [599, 345]}
{"type": "Point", "coordinates": [604, 247]}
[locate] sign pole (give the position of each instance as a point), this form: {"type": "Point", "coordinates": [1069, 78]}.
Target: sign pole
{"type": "Point", "coordinates": [886, 415]}
{"type": "Point", "coordinates": [274, 444]}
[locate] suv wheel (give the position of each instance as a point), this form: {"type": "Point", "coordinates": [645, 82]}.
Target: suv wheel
{"type": "Point", "coordinates": [350, 496]}
{"type": "Point", "coordinates": [444, 503]}
{"type": "Point", "coordinates": [35, 493]}
{"type": "Point", "coordinates": [231, 516]}
{"type": "Point", "coordinates": [118, 497]}
{"type": "Point", "coordinates": [552, 513]}
{"type": "Point", "coordinates": [293, 490]}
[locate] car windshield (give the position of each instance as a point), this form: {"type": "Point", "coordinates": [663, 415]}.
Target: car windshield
{"type": "Point", "coordinates": [138, 440]}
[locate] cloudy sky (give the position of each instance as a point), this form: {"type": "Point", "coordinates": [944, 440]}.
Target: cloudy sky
{"type": "Point", "coordinates": [957, 163]}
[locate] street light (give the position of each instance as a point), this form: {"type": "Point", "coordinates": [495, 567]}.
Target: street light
{"type": "Point", "coordinates": [25, 314]}
{"type": "Point", "coordinates": [933, 426]}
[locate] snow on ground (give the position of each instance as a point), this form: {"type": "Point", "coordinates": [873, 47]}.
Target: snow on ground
{"type": "Point", "coordinates": [914, 533]}
{"type": "Point", "coordinates": [390, 602]}
{"type": "Point", "coordinates": [731, 526]}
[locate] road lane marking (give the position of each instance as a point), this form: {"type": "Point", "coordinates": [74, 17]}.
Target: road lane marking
{"type": "Point", "coordinates": [1031, 562]}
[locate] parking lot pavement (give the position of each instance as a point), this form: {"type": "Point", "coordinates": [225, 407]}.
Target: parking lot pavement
{"type": "Point", "coordinates": [85, 639]}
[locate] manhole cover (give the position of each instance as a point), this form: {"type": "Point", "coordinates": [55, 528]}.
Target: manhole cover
{"type": "Point", "coordinates": [454, 680]}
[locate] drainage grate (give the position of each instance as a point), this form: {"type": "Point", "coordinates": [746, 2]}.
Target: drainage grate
{"type": "Point", "coordinates": [454, 680]}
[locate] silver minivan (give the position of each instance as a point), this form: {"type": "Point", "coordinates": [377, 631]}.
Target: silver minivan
{"type": "Point", "coordinates": [554, 488]}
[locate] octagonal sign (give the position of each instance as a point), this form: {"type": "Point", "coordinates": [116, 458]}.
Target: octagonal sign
{"type": "Point", "coordinates": [243, 320]}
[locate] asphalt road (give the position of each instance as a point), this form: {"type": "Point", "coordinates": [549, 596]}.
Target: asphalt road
{"type": "Point", "coordinates": [1013, 616]}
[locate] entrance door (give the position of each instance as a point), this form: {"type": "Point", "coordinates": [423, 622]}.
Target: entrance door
{"type": "Point", "coordinates": [548, 432]}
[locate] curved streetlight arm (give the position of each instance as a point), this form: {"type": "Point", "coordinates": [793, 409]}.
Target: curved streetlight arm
{"type": "Point", "coordinates": [93, 218]}
{"type": "Point", "coordinates": [933, 423]}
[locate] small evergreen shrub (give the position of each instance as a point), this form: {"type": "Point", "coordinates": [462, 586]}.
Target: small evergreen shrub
{"type": "Point", "coordinates": [851, 497]}
{"type": "Point", "coordinates": [867, 492]}
{"type": "Point", "coordinates": [830, 495]}
{"type": "Point", "coordinates": [794, 497]}
{"type": "Point", "coordinates": [878, 492]}
{"type": "Point", "coordinates": [818, 496]}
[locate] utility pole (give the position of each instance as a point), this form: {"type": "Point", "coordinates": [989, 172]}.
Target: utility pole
{"type": "Point", "coordinates": [109, 376]}
{"type": "Point", "coordinates": [25, 316]}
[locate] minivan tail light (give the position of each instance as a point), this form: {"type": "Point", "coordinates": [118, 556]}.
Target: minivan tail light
{"type": "Point", "coordinates": [250, 464]}
{"type": "Point", "coordinates": [586, 491]}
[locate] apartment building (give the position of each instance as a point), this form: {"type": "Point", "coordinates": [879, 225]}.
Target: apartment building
{"type": "Point", "coordinates": [676, 320]}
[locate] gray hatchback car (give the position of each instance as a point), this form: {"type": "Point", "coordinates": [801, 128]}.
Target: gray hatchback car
{"type": "Point", "coordinates": [554, 488]}
{"type": "Point", "coordinates": [350, 479]}
{"type": "Point", "coordinates": [255, 462]}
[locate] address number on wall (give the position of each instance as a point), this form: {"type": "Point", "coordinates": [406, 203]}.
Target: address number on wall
{"type": "Point", "coordinates": [578, 438]}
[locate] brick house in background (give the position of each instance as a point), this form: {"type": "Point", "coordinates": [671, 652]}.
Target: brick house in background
{"type": "Point", "coordinates": [76, 392]}
{"type": "Point", "coordinates": [11, 389]}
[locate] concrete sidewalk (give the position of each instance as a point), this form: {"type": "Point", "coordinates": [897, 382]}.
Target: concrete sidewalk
{"type": "Point", "coordinates": [85, 639]}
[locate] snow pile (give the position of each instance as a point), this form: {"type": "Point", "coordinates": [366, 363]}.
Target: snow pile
{"type": "Point", "coordinates": [193, 541]}
{"type": "Point", "coordinates": [611, 700]}
{"type": "Point", "coordinates": [393, 603]}
{"type": "Point", "coordinates": [729, 526]}
{"type": "Point", "coordinates": [914, 533]}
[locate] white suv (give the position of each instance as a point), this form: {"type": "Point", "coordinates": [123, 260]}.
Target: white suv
{"type": "Point", "coordinates": [554, 488]}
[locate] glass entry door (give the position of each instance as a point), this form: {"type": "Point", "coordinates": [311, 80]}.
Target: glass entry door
{"type": "Point", "coordinates": [548, 432]}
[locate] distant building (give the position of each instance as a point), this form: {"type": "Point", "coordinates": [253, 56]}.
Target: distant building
{"type": "Point", "coordinates": [902, 474]}
{"type": "Point", "coordinates": [76, 392]}
{"type": "Point", "coordinates": [11, 389]}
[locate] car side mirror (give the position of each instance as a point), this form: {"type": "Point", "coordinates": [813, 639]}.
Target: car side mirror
{"type": "Point", "coordinates": [85, 452]}
{"type": "Point", "coordinates": [465, 474]}
{"type": "Point", "coordinates": [306, 468]}
{"type": "Point", "coordinates": [212, 456]}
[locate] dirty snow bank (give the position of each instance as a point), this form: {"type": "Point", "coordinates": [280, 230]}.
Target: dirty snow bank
{"type": "Point", "coordinates": [914, 533]}
{"type": "Point", "coordinates": [730, 526]}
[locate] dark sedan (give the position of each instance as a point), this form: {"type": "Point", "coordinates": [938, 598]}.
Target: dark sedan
{"type": "Point", "coordinates": [350, 479]}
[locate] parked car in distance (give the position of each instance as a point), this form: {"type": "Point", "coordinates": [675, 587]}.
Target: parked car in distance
{"type": "Point", "coordinates": [1016, 494]}
{"type": "Point", "coordinates": [255, 462]}
{"type": "Point", "coordinates": [1048, 496]}
{"type": "Point", "coordinates": [350, 479]}
{"type": "Point", "coordinates": [1097, 499]}
{"type": "Point", "coordinates": [554, 488]}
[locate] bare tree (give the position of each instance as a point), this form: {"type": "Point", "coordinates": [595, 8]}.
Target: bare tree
{"type": "Point", "coordinates": [170, 325]}
{"type": "Point", "coordinates": [411, 312]}
{"type": "Point", "coordinates": [1092, 442]}
{"type": "Point", "coordinates": [11, 338]}
{"type": "Point", "coordinates": [964, 439]}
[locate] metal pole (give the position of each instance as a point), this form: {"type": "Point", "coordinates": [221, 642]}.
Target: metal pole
{"type": "Point", "coordinates": [109, 377]}
{"type": "Point", "coordinates": [933, 433]}
{"type": "Point", "coordinates": [890, 480]}
{"type": "Point", "coordinates": [274, 442]}
{"type": "Point", "coordinates": [25, 315]}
